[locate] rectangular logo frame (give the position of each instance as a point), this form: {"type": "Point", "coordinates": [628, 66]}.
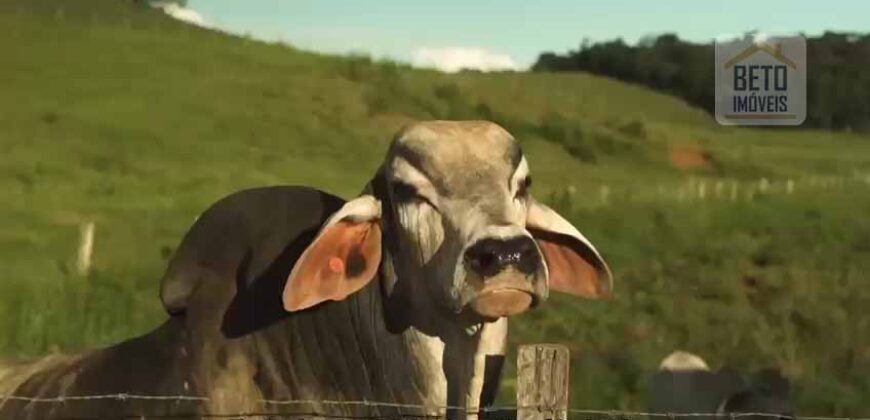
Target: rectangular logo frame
{"type": "Point", "coordinates": [761, 80]}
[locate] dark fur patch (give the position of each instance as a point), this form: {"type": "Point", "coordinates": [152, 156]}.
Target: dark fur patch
{"type": "Point", "coordinates": [355, 264]}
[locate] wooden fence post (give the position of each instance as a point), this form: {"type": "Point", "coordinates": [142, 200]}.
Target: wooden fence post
{"type": "Point", "coordinates": [86, 248]}
{"type": "Point", "coordinates": [763, 185]}
{"type": "Point", "coordinates": [605, 193]}
{"type": "Point", "coordinates": [542, 382]}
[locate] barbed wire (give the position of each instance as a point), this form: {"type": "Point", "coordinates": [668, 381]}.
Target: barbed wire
{"type": "Point", "coordinates": [122, 397]}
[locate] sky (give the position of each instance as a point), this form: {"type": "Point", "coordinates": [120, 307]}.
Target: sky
{"type": "Point", "coordinates": [449, 34]}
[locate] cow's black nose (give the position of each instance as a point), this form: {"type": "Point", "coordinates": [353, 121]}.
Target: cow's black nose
{"type": "Point", "coordinates": [490, 256]}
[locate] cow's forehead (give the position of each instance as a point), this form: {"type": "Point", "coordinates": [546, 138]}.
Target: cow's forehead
{"type": "Point", "coordinates": [456, 153]}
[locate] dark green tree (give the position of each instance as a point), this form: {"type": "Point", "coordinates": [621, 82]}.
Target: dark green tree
{"type": "Point", "coordinates": [838, 81]}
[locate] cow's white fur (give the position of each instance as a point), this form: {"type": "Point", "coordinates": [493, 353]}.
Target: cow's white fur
{"type": "Point", "coordinates": [361, 209]}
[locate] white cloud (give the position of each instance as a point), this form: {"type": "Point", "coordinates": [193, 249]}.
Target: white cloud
{"type": "Point", "coordinates": [182, 13]}
{"type": "Point", "coordinates": [453, 59]}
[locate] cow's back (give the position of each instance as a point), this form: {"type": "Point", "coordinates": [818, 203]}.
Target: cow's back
{"type": "Point", "coordinates": [147, 365]}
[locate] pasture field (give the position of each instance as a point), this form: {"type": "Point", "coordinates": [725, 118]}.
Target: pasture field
{"type": "Point", "coordinates": [115, 114]}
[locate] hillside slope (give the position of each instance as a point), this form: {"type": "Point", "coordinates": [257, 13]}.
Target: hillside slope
{"type": "Point", "coordinates": [115, 114]}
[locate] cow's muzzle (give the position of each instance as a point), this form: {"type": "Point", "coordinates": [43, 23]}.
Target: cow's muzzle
{"type": "Point", "coordinates": [507, 268]}
{"type": "Point", "coordinates": [489, 257]}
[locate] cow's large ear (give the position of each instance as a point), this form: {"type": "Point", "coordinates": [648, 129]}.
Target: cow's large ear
{"type": "Point", "coordinates": [342, 259]}
{"type": "Point", "coordinates": [574, 265]}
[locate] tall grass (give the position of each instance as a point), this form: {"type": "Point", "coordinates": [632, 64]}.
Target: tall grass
{"type": "Point", "coordinates": [776, 282]}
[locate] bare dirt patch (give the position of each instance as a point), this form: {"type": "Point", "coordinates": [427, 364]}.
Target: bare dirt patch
{"type": "Point", "coordinates": [689, 158]}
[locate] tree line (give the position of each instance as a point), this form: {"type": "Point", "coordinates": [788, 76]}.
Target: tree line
{"type": "Point", "coordinates": [838, 79]}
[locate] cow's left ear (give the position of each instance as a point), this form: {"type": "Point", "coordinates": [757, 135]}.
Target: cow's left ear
{"type": "Point", "coordinates": [342, 259]}
{"type": "Point", "coordinates": [574, 265]}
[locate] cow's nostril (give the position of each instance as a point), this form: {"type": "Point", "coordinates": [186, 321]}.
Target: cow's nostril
{"type": "Point", "coordinates": [490, 256]}
{"type": "Point", "coordinates": [483, 258]}
{"type": "Point", "coordinates": [529, 258]}
{"type": "Point", "coordinates": [487, 261]}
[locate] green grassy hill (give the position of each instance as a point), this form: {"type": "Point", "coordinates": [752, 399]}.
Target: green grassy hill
{"type": "Point", "coordinates": [750, 247]}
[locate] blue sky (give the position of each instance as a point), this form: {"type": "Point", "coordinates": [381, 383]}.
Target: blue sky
{"type": "Point", "coordinates": [516, 29]}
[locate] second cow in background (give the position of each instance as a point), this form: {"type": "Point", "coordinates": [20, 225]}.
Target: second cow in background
{"type": "Point", "coordinates": [684, 384]}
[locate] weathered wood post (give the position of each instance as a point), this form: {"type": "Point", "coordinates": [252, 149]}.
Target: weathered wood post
{"type": "Point", "coordinates": [605, 194]}
{"type": "Point", "coordinates": [86, 248]}
{"type": "Point", "coordinates": [763, 185]}
{"type": "Point", "coordinates": [542, 382]}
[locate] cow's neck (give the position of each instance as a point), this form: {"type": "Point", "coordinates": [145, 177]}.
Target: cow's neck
{"type": "Point", "coordinates": [337, 351]}
{"type": "Point", "coordinates": [354, 350]}
{"type": "Point", "coordinates": [472, 366]}
{"type": "Point", "coordinates": [469, 359]}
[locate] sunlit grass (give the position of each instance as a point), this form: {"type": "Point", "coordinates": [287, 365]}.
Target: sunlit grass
{"type": "Point", "coordinates": [114, 114]}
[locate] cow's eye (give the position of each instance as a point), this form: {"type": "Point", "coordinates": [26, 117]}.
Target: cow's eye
{"type": "Point", "coordinates": [406, 193]}
{"type": "Point", "coordinates": [523, 187]}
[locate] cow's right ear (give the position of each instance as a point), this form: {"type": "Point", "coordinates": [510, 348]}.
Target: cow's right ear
{"type": "Point", "coordinates": [342, 259]}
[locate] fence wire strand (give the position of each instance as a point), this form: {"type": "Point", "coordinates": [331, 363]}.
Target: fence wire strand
{"type": "Point", "coordinates": [123, 397]}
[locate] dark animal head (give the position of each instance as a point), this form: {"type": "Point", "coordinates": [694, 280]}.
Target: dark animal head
{"type": "Point", "coordinates": [768, 392]}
